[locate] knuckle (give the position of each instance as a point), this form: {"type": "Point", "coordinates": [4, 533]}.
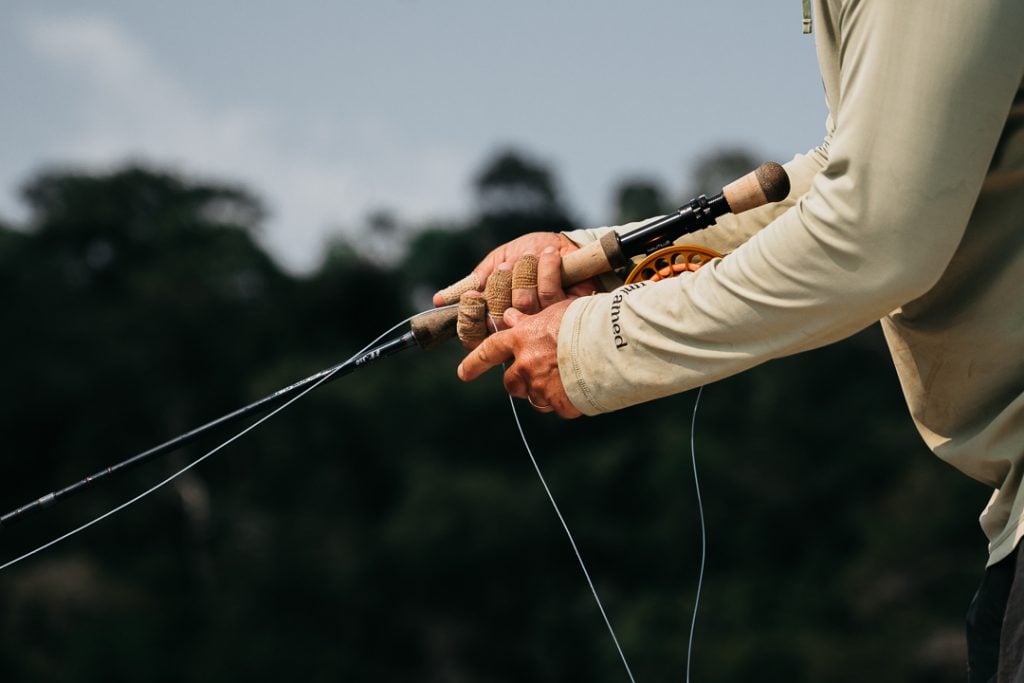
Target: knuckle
{"type": "Point", "coordinates": [522, 298]}
{"type": "Point", "coordinates": [514, 383]}
{"type": "Point", "coordinates": [546, 294]}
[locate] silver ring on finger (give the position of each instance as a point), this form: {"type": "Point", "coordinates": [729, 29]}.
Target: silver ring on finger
{"type": "Point", "coordinates": [541, 407]}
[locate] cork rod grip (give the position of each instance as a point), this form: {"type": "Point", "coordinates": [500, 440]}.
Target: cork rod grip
{"type": "Point", "coordinates": [592, 259]}
{"type": "Point", "coordinates": [767, 183]}
{"type": "Point", "coordinates": [433, 328]}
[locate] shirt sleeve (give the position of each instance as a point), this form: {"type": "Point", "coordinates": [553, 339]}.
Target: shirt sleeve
{"type": "Point", "coordinates": [924, 89]}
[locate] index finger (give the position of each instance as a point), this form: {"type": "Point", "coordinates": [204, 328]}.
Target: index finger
{"type": "Point", "coordinates": [494, 350]}
{"type": "Point", "coordinates": [474, 281]}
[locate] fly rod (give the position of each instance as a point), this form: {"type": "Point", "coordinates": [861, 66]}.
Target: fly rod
{"type": "Point", "coordinates": [768, 183]}
{"type": "Point", "coordinates": [268, 402]}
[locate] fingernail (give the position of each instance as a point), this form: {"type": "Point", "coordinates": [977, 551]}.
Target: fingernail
{"type": "Point", "coordinates": [550, 250]}
{"type": "Point", "coordinates": [458, 371]}
{"type": "Point", "coordinates": [504, 265]}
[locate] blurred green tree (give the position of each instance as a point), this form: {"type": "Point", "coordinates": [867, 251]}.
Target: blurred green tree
{"type": "Point", "coordinates": [517, 194]}
{"type": "Point", "coordinates": [716, 169]}
{"type": "Point", "coordinates": [514, 194]}
{"type": "Point", "coordinates": [638, 199]}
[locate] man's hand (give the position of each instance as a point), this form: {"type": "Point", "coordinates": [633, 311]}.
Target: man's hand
{"type": "Point", "coordinates": [531, 342]}
{"type": "Point", "coordinates": [548, 271]}
{"type": "Point", "coordinates": [536, 283]}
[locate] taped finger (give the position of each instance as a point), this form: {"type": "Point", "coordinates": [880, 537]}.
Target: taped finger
{"type": "Point", "coordinates": [454, 291]}
{"type": "Point", "coordinates": [471, 325]}
{"type": "Point", "coordinates": [524, 284]}
{"type": "Point", "coordinates": [498, 292]}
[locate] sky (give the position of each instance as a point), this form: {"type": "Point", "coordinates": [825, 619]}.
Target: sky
{"type": "Point", "coordinates": [329, 111]}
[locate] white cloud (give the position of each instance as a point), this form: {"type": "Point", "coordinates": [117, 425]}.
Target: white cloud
{"type": "Point", "coordinates": [315, 175]}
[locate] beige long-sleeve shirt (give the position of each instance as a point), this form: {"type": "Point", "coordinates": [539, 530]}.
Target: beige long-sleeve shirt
{"type": "Point", "coordinates": [911, 212]}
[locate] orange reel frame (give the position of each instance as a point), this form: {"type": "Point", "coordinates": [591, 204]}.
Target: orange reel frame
{"type": "Point", "coordinates": [670, 262]}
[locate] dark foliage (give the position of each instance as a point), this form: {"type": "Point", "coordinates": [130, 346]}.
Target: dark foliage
{"type": "Point", "coordinates": [389, 527]}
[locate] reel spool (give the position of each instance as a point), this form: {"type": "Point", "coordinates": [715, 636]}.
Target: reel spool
{"type": "Point", "coordinates": [670, 262]}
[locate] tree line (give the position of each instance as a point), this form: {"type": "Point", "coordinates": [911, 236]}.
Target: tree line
{"type": "Point", "coordinates": [389, 526]}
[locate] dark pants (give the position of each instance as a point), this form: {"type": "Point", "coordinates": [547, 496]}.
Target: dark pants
{"type": "Point", "coordinates": [995, 625]}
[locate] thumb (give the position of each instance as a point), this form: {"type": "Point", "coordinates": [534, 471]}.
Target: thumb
{"type": "Point", "coordinates": [513, 316]}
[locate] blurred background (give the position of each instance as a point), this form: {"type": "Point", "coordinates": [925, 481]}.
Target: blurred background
{"type": "Point", "coordinates": [203, 202]}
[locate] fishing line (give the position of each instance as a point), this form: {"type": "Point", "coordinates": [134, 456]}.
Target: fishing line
{"type": "Point", "coordinates": [327, 376]}
{"type": "Point", "coordinates": [572, 541]}
{"type": "Point", "coordinates": [579, 556]}
{"type": "Point", "coordinates": [565, 526]}
{"type": "Point", "coordinates": [703, 532]}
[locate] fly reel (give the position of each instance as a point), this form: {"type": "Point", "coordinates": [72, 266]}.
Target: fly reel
{"type": "Point", "coordinates": [670, 262]}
